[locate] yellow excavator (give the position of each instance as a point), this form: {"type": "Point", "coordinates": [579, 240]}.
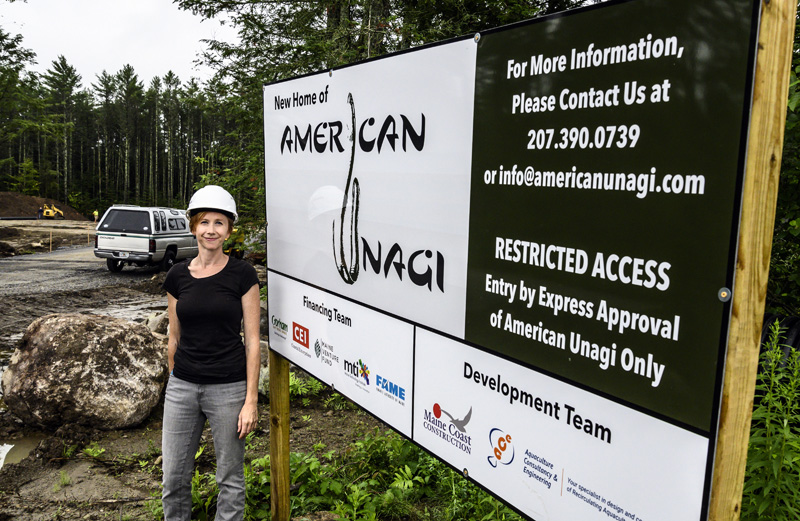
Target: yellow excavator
{"type": "Point", "coordinates": [234, 246]}
{"type": "Point", "coordinates": [51, 212]}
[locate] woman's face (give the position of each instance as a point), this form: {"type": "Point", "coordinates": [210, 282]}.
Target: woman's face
{"type": "Point", "coordinates": [212, 230]}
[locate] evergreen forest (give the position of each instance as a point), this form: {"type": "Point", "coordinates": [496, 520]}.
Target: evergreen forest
{"type": "Point", "coordinates": [114, 138]}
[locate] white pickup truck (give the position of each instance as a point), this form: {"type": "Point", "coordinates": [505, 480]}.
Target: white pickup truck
{"type": "Point", "coordinates": [144, 236]}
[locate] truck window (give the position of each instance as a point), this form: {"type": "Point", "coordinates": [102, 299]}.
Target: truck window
{"type": "Point", "coordinates": [173, 224]}
{"type": "Point", "coordinates": [156, 221]}
{"type": "Point", "coordinates": [131, 221]}
{"type": "Point", "coordinates": [163, 221]}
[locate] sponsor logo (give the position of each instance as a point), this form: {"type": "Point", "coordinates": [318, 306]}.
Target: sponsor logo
{"type": "Point", "coordinates": [357, 371]}
{"type": "Point", "coordinates": [346, 244]}
{"type": "Point", "coordinates": [453, 431]}
{"type": "Point", "coordinates": [502, 449]}
{"type": "Point", "coordinates": [279, 327]}
{"type": "Point", "coordinates": [324, 352]}
{"type": "Point", "coordinates": [300, 334]}
{"type": "Point", "coordinates": [390, 389]}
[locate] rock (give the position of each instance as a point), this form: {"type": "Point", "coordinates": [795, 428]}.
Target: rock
{"type": "Point", "coordinates": [264, 345]}
{"type": "Point", "coordinates": [263, 381]}
{"type": "Point", "coordinates": [158, 322]}
{"type": "Point", "coordinates": [102, 372]}
{"type": "Point", "coordinates": [265, 319]}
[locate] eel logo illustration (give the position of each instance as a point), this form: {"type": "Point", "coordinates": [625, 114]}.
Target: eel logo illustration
{"type": "Point", "coordinates": [345, 254]}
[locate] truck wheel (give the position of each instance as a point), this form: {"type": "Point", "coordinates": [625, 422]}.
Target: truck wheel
{"type": "Point", "coordinates": [168, 261]}
{"type": "Point", "coordinates": [114, 266]}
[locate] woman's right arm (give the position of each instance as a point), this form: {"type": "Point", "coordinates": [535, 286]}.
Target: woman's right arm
{"type": "Point", "coordinates": [174, 330]}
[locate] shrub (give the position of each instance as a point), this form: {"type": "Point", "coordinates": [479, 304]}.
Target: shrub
{"type": "Point", "coordinates": [772, 478]}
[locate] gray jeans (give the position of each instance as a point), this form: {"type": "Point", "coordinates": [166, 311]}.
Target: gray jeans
{"type": "Point", "coordinates": [186, 408]}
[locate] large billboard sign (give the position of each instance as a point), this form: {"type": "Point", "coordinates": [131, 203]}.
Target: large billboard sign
{"type": "Point", "coordinates": [517, 249]}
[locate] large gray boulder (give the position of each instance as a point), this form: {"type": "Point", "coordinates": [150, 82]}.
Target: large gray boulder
{"type": "Point", "coordinates": [102, 372]}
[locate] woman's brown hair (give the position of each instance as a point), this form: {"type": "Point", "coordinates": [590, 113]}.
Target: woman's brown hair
{"type": "Point", "coordinates": [195, 219]}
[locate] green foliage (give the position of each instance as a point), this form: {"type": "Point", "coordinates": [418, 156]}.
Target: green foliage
{"type": "Point", "coordinates": [63, 481]}
{"type": "Point", "coordinates": [304, 388]}
{"type": "Point", "coordinates": [772, 479]}
{"type": "Point", "coordinates": [94, 450]}
{"type": "Point", "coordinates": [337, 402]}
{"type": "Point", "coordinates": [381, 477]}
{"type": "Point", "coordinates": [68, 451]}
{"type": "Point", "coordinates": [204, 496]}
{"type": "Point", "coordinates": [783, 287]}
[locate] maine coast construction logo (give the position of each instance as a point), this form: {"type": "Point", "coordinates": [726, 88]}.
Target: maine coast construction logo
{"type": "Point", "coordinates": [453, 431]}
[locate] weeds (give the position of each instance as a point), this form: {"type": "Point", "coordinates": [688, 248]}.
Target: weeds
{"type": "Point", "coordinates": [381, 476]}
{"type": "Point", "coordinates": [772, 478]}
{"type": "Point", "coordinates": [304, 388]}
{"type": "Point", "coordinates": [63, 481]}
{"type": "Point", "coordinates": [94, 450]}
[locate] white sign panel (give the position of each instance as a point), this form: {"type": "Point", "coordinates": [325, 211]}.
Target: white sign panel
{"type": "Point", "coordinates": [361, 168]}
{"type": "Point", "coordinates": [548, 448]}
{"type": "Point", "coordinates": [326, 335]}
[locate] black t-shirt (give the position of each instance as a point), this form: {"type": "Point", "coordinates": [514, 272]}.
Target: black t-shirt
{"type": "Point", "coordinates": [210, 349]}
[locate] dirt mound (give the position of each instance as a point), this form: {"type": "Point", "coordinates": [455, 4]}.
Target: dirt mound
{"type": "Point", "coordinates": [13, 204]}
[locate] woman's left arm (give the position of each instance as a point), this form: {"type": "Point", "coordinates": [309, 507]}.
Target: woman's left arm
{"type": "Point", "coordinates": [251, 312]}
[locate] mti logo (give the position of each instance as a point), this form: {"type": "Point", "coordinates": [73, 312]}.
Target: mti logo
{"type": "Point", "coordinates": [300, 334]}
{"type": "Point", "coordinates": [363, 371]}
{"type": "Point", "coordinates": [357, 370]}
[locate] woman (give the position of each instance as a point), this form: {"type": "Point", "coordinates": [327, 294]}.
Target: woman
{"type": "Point", "coordinates": [213, 374]}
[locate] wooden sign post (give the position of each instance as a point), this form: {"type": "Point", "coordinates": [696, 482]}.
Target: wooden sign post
{"type": "Point", "coordinates": [767, 122]}
{"type": "Point", "coordinates": [279, 436]}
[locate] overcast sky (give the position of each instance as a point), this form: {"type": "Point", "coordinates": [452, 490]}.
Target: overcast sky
{"type": "Point", "coordinates": [154, 36]}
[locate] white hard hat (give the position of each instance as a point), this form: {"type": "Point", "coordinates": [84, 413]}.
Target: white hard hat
{"type": "Point", "coordinates": [213, 198]}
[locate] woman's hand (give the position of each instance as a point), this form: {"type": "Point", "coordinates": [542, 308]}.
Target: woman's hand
{"type": "Point", "coordinates": [248, 419]}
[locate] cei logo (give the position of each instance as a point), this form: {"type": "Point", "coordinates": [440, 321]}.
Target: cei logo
{"type": "Point", "coordinates": [502, 449]}
{"type": "Point", "coordinates": [300, 334]}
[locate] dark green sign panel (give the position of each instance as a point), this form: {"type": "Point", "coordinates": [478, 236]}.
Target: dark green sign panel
{"type": "Point", "coordinates": [606, 178]}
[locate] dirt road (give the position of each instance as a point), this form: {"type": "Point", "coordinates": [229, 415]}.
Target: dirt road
{"type": "Point", "coordinates": [38, 236]}
{"type": "Point", "coordinates": [70, 281]}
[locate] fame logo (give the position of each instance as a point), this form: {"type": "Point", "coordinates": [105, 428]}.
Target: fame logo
{"type": "Point", "coordinates": [502, 449]}
{"type": "Point", "coordinates": [390, 389]}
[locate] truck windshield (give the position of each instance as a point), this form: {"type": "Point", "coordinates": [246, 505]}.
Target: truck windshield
{"type": "Point", "coordinates": [126, 221]}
